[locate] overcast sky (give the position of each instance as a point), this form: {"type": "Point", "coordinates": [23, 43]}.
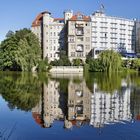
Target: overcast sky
{"type": "Point", "coordinates": [17, 14]}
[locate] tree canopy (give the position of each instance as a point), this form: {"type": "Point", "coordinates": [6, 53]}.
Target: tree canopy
{"type": "Point", "coordinates": [20, 51]}
{"type": "Point", "coordinates": [20, 90]}
{"type": "Point", "coordinates": [108, 61]}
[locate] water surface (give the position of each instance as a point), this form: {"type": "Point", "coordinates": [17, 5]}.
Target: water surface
{"type": "Point", "coordinates": [95, 106]}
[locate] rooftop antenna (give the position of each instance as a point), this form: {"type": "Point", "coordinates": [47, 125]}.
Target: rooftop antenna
{"type": "Point", "coordinates": [102, 8]}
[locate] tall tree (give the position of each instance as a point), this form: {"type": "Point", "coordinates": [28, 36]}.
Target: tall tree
{"type": "Point", "coordinates": [20, 51]}
{"type": "Point", "coordinates": [110, 60]}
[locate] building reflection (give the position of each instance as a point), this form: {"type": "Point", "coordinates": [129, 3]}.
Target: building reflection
{"type": "Point", "coordinates": [110, 108]}
{"type": "Point", "coordinates": [48, 109]}
{"type": "Point", "coordinates": [78, 104]}
{"type": "Point", "coordinates": [81, 106]}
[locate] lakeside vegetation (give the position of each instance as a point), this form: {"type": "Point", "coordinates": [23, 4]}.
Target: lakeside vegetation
{"type": "Point", "coordinates": [24, 90]}
{"type": "Point", "coordinates": [20, 90]}
{"type": "Point", "coordinates": [21, 51]}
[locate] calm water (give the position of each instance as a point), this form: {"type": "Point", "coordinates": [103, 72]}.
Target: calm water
{"type": "Point", "coordinates": [97, 106]}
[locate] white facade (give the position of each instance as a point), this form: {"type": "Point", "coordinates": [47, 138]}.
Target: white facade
{"type": "Point", "coordinates": [109, 108]}
{"type": "Point", "coordinates": [51, 35]}
{"type": "Point", "coordinates": [112, 33]}
{"type": "Point", "coordinates": [48, 109]}
{"type": "Point", "coordinates": [51, 103]}
{"type": "Point", "coordinates": [99, 32]}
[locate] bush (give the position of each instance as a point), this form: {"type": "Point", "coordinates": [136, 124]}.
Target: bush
{"type": "Point", "coordinates": [95, 65]}
{"type": "Point", "coordinates": [77, 62]}
{"type": "Point", "coordinates": [135, 64]}
{"type": "Point", "coordinates": [61, 62]}
{"type": "Point", "coordinates": [43, 66]}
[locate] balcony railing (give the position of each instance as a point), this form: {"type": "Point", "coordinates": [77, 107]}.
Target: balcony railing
{"type": "Point", "coordinates": [79, 31]}
{"type": "Point", "coordinates": [79, 48]}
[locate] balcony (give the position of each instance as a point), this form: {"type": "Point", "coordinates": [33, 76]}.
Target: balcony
{"type": "Point", "coordinates": [80, 48]}
{"type": "Point", "coordinates": [79, 31]}
{"type": "Point", "coordinates": [77, 25]}
{"type": "Point", "coordinates": [79, 93]}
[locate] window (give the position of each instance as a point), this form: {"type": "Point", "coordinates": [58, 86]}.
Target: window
{"type": "Point", "coordinates": [88, 31]}
{"type": "Point", "coordinates": [72, 46]}
{"type": "Point", "coordinates": [73, 54]}
{"type": "Point", "coordinates": [87, 39]}
{"type": "Point", "coordinates": [80, 39]}
{"type": "Point", "coordinates": [80, 17]}
{"type": "Point", "coordinates": [79, 48]}
{"type": "Point", "coordinates": [71, 39]}
{"type": "Point", "coordinates": [97, 52]}
{"type": "Point", "coordinates": [87, 47]}
{"type": "Point", "coordinates": [79, 54]}
{"type": "Point", "coordinates": [79, 31]}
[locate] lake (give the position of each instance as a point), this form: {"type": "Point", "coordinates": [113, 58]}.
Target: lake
{"type": "Point", "coordinates": [96, 106]}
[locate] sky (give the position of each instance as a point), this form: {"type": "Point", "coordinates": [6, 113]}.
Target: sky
{"type": "Point", "coordinates": [18, 14]}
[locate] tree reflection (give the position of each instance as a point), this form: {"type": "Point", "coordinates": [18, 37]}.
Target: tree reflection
{"type": "Point", "coordinates": [77, 106]}
{"type": "Point", "coordinates": [20, 90]}
{"type": "Point", "coordinates": [76, 101]}
{"type": "Point", "coordinates": [106, 82]}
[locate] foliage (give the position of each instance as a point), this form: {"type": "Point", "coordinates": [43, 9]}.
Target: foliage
{"type": "Point", "coordinates": [20, 51]}
{"type": "Point", "coordinates": [105, 82]}
{"type": "Point", "coordinates": [63, 86]}
{"type": "Point", "coordinates": [95, 65]}
{"type": "Point", "coordinates": [63, 61]}
{"type": "Point", "coordinates": [110, 60]}
{"type": "Point", "coordinates": [21, 90]}
{"type": "Point", "coordinates": [43, 66]}
{"type": "Point", "coordinates": [135, 64]}
{"type": "Point", "coordinates": [77, 62]}
{"type": "Point", "coordinates": [131, 64]}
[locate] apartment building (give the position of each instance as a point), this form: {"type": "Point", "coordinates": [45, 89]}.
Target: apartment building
{"type": "Point", "coordinates": [79, 37]}
{"type": "Point", "coordinates": [50, 32]}
{"type": "Point", "coordinates": [109, 108]}
{"type": "Point", "coordinates": [83, 36]}
{"type": "Point", "coordinates": [138, 38]}
{"type": "Point", "coordinates": [112, 33]}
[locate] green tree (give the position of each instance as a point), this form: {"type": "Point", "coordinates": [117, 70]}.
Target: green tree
{"type": "Point", "coordinates": [77, 62]}
{"type": "Point", "coordinates": [20, 90]}
{"type": "Point", "coordinates": [95, 65]}
{"type": "Point", "coordinates": [43, 66]}
{"type": "Point", "coordinates": [20, 51]}
{"type": "Point", "coordinates": [110, 60]}
{"type": "Point", "coordinates": [63, 61]}
{"type": "Point", "coordinates": [135, 64]}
